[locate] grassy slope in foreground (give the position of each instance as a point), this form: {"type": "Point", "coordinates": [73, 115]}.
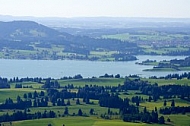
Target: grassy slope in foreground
{"type": "Point", "coordinates": [79, 121]}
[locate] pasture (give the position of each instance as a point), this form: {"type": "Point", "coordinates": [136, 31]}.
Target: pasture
{"type": "Point", "coordinates": [94, 120]}
{"type": "Point", "coordinates": [93, 81]}
{"type": "Point", "coordinates": [79, 121]}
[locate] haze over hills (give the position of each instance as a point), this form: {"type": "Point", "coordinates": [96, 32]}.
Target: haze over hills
{"type": "Point", "coordinates": [29, 35]}
{"type": "Point", "coordinates": [74, 36]}
{"type": "Point", "coordinates": [102, 22]}
{"type": "Point", "coordinates": [23, 34]}
{"type": "Point", "coordinates": [98, 26]}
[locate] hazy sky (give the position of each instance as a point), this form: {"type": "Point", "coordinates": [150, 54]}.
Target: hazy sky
{"type": "Point", "coordinates": [94, 8]}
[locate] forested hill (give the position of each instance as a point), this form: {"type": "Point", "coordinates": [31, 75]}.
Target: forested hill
{"type": "Point", "coordinates": [28, 34]}
{"type": "Point", "coordinates": [27, 30]}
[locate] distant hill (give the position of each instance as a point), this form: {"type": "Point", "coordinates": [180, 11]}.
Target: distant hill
{"type": "Point", "coordinates": [102, 22]}
{"type": "Point", "coordinates": [25, 35]}
{"type": "Point", "coordinates": [28, 30]}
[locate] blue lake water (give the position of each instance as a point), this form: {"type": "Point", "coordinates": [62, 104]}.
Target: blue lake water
{"type": "Point", "coordinates": [60, 68]}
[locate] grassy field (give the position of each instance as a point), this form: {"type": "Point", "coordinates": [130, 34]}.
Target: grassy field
{"type": "Point", "coordinates": [159, 104]}
{"type": "Point", "coordinates": [103, 53]}
{"type": "Point", "coordinates": [73, 108]}
{"type": "Point", "coordinates": [79, 121]}
{"type": "Point", "coordinates": [35, 86]}
{"type": "Point", "coordinates": [179, 120]}
{"type": "Point", "coordinates": [168, 81]}
{"type": "Point", "coordinates": [124, 36]}
{"type": "Point", "coordinates": [93, 81]}
{"type": "Point", "coordinates": [132, 93]}
{"type": "Point", "coordinates": [146, 36]}
{"type": "Point", "coordinates": [57, 52]}
{"type": "Point", "coordinates": [94, 120]}
{"type": "Point", "coordinates": [12, 93]}
{"type": "Point", "coordinates": [151, 37]}
{"type": "Point", "coordinates": [162, 50]}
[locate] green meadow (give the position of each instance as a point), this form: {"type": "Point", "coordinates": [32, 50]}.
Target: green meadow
{"type": "Point", "coordinates": [150, 36]}
{"type": "Point", "coordinates": [93, 81]}
{"type": "Point", "coordinates": [12, 93]}
{"type": "Point", "coordinates": [146, 36]}
{"type": "Point", "coordinates": [160, 103]}
{"type": "Point", "coordinates": [168, 81]}
{"type": "Point", "coordinates": [176, 120]}
{"type": "Point", "coordinates": [94, 120]}
{"type": "Point", "coordinates": [79, 121]}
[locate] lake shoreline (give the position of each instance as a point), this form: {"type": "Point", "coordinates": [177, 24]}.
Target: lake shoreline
{"type": "Point", "coordinates": [10, 68]}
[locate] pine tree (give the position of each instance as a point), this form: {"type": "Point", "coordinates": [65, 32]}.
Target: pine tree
{"type": "Point", "coordinates": [78, 101]}
{"type": "Point", "coordinates": [68, 102]}
{"type": "Point", "coordinates": [25, 96]}
{"type": "Point", "coordinates": [80, 113]}
{"type": "Point", "coordinates": [173, 103]}
{"type": "Point", "coordinates": [66, 112]}
{"type": "Point", "coordinates": [18, 99]}
{"type": "Point", "coordinates": [165, 103]}
{"type": "Point", "coordinates": [91, 111]}
{"type": "Point", "coordinates": [161, 120]}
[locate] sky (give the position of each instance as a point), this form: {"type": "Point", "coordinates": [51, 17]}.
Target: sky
{"type": "Point", "coordinates": [96, 8]}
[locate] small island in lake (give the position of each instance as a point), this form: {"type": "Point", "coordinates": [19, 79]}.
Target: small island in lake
{"type": "Point", "coordinates": [172, 65]}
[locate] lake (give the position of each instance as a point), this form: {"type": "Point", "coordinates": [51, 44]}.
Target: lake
{"type": "Point", "coordinates": [10, 68]}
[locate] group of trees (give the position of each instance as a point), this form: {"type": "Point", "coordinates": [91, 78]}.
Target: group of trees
{"type": "Point", "coordinates": [179, 53]}
{"type": "Point", "coordinates": [131, 113]}
{"type": "Point", "coordinates": [174, 64]}
{"type": "Point", "coordinates": [19, 104]}
{"type": "Point", "coordinates": [25, 115]}
{"type": "Point", "coordinates": [144, 116]}
{"type": "Point", "coordinates": [155, 91]}
{"type": "Point", "coordinates": [174, 110]}
{"type": "Point", "coordinates": [51, 84]}
{"type": "Point", "coordinates": [124, 57]}
{"type": "Point", "coordinates": [27, 79]}
{"type": "Point", "coordinates": [110, 76]}
{"type": "Point", "coordinates": [113, 101]}
{"type": "Point", "coordinates": [92, 44]}
{"type": "Point", "coordinates": [4, 83]}
{"type": "Point", "coordinates": [17, 45]}
{"type": "Point", "coordinates": [178, 76]}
